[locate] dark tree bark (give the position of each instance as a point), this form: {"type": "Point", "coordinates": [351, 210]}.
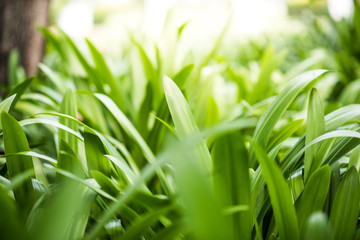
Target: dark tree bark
{"type": "Point", "coordinates": [18, 22]}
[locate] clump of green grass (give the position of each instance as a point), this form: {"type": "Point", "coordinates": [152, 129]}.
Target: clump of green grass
{"type": "Point", "coordinates": [89, 154]}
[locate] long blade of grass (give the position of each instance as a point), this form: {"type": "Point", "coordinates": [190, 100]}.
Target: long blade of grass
{"type": "Point", "coordinates": [108, 77]}
{"type": "Point", "coordinates": [152, 74]}
{"type": "Point", "coordinates": [315, 126]}
{"type": "Point", "coordinates": [345, 210]}
{"type": "Point", "coordinates": [52, 124]}
{"type": "Point", "coordinates": [184, 120]}
{"type": "Point", "coordinates": [284, 210]}
{"type": "Point", "coordinates": [232, 182]}
{"type": "Point", "coordinates": [191, 177]}
{"type": "Point", "coordinates": [314, 195]}
{"type": "Point", "coordinates": [32, 154]}
{"type": "Point", "coordinates": [15, 141]}
{"type": "Point", "coordinates": [68, 107]}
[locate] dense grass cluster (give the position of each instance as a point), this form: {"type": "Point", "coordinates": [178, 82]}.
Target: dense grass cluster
{"type": "Point", "coordinates": [163, 145]}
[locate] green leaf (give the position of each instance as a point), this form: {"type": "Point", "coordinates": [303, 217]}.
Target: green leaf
{"type": "Point", "coordinates": [297, 185]}
{"type": "Point", "coordinates": [130, 175]}
{"type": "Point", "coordinates": [355, 159]}
{"type": "Point", "coordinates": [15, 141]}
{"type": "Point", "coordinates": [68, 161]}
{"type": "Point", "coordinates": [57, 41]}
{"type": "Point", "coordinates": [40, 99]}
{"type": "Point", "coordinates": [19, 90]}
{"type": "Point", "coordinates": [181, 29]}
{"type": "Point", "coordinates": [334, 185]}
{"type": "Point", "coordinates": [158, 129]}
{"type": "Point", "coordinates": [6, 104]}
{"type": "Point", "coordinates": [299, 149]}
{"type": "Point", "coordinates": [65, 214]}
{"type": "Point", "coordinates": [232, 182]}
{"type": "Point", "coordinates": [49, 122]}
{"type": "Point", "coordinates": [184, 120]}
{"type": "Point", "coordinates": [284, 133]}
{"type": "Point", "coordinates": [33, 154]}
{"type": "Point", "coordinates": [89, 183]}
{"type": "Point", "coordinates": [152, 74]}
{"type": "Point", "coordinates": [333, 121]}
{"type": "Point", "coordinates": [269, 63]}
{"type": "Point", "coordinates": [53, 77]}
{"type": "Point", "coordinates": [315, 126]}
{"type": "Point", "coordinates": [106, 76]}
{"type": "Point", "coordinates": [106, 183]}
{"type": "Point", "coordinates": [172, 232]}
{"type": "Point", "coordinates": [318, 228]}
{"type": "Point", "coordinates": [11, 226]}
{"type": "Point", "coordinates": [181, 77]}
{"type": "Point", "coordinates": [149, 170]}
{"type": "Point", "coordinates": [108, 146]}
{"type": "Point", "coordinates": [345, 210]}
{"type": "Point", "coordinates": [68, 107]}
{"type": "Point", "coordinates": [274, 112]}
{"type": "Point", "coordinates": [212, 112]}
{"type": "Point", "coordinates": [127, 126]}
{"type": "Point", "coordinates": [314, 195]}
{"type": "Point", "coordinates": [15, 71]}
{"type": "Point", "coordinates": [284, 210]}
{"type": "Point", "coordinates": [144, 112]}
{"type": "Point", "coordinates": [92, 74]}
{"type": "Point", "coordinates": [142, 225]}
{"type": "Point", "coordinates": [342, 115]}
{"type": "Point", "coordinates": [191, 177]}
{"type": "Point", "coordinates": [131, 131]}
{"type": "Point", "coordinates": [95, 151]}
{"type": "Point", "coordinates": [127, 194]}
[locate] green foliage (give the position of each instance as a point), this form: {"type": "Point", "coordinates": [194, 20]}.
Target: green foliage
{"type": "Point", "coordinates": [94, 153]}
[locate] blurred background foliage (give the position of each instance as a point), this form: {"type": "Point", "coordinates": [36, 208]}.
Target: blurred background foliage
{"type": "Point", "coordinates": [232, 43]}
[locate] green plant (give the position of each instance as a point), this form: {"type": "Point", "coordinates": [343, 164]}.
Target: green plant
{"type": "Point", "coordinates": [92, 155]}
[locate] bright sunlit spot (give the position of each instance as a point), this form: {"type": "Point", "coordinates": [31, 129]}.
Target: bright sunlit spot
{"type": "Point", "coordinates": [253, 17]}
{"type": "Point", "coordinates": [339, 9]}
{"type": "Point", "coordinates": [76, 18]}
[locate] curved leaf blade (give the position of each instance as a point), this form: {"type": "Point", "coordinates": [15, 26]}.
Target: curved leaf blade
{"type": "Point", "coordinates": [345, 210]}
{"type": "Point", "coordinates": [284, 210]}
{"type": "Point", "coordinates": [278, 107]}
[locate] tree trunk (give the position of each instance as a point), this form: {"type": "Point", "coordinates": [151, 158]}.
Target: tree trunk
{"type": "Point", "coordinates": [18, 22]}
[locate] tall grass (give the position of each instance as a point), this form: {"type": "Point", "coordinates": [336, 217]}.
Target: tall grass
{"type": "Point", "coordinates": [149, 153]}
